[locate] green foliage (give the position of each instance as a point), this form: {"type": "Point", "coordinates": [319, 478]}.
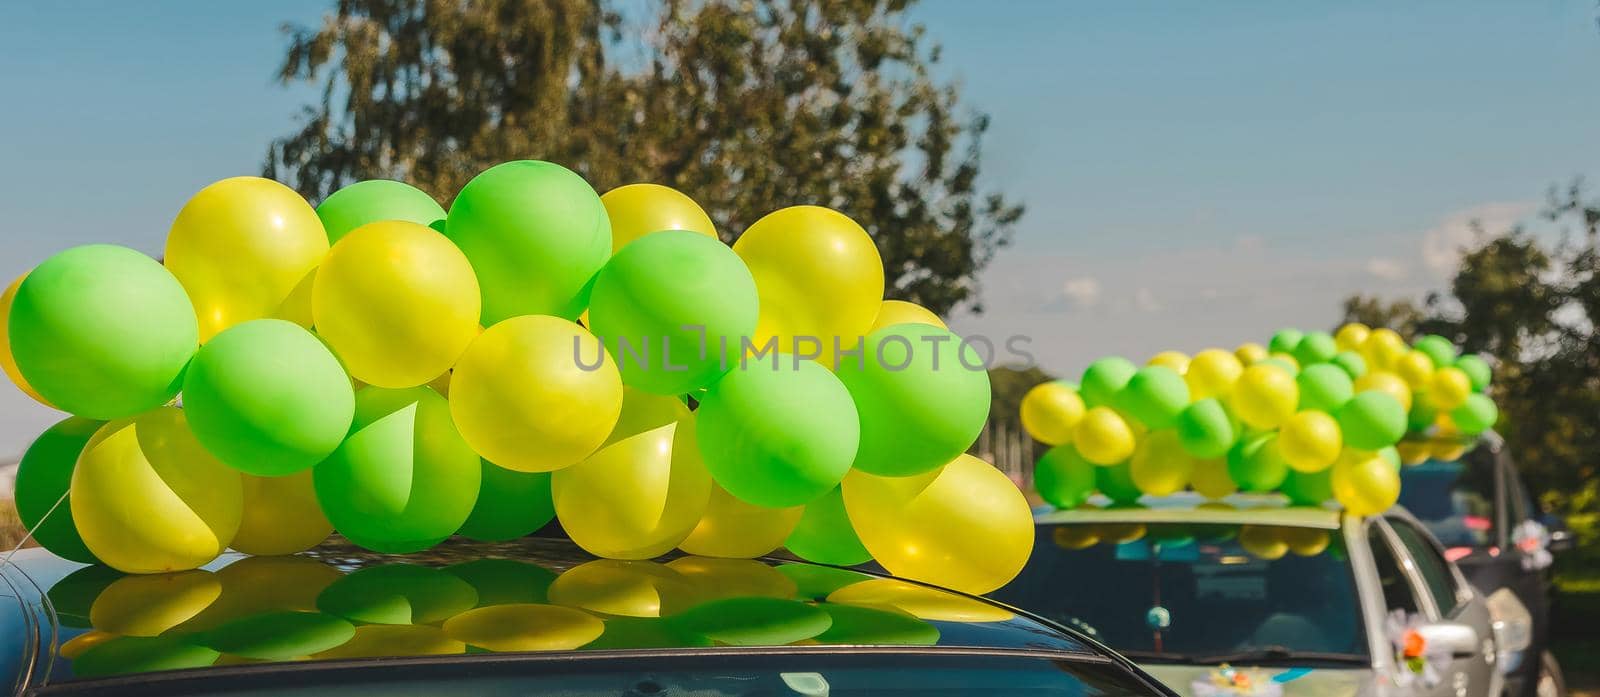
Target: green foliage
{"type": "Point", "coordinates": [745, 105]}
{"type": "Point", "coordinates": [1533, 308]}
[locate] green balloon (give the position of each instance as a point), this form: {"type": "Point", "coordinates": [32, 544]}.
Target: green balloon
{"type": "Point", "coordinates": [1476, 415]}
{"type": "Point", "coordinates": [633, 633]}
{"type": "Point", "coordinates": [1314, 348]}
{"type": "Point", "coordinates": [753, 621]}
{"type": "Point", "coordinates": [268, 398]}
{"type": "Point", "coordinates": [778, 438]}
{"type": "Point", "coordinates": [1256, 465]}
{"type": "Point", "coordinates": [674, 309]}
{"type": "Point", "coordinates": [824, 534]}
{"type": "Point", "coordinates": [278, 636]}
{"type": "Point", "coordinates": [505, 581]}
{"type": "Point", "coordinates": [1104, 378]}
{"type": "Point", "coordinates": [138, 654]}
{"type": "Point", "coordinates": [1155, 395]}
{"type": "Point", "coordinates": [510, 504]}
{"type": "Point", "coordinates": [1064, 478]}
{"type": "Point", "coordinates": [1324, 387]}
{"type": "Point", "coordinates": [1285, 341]}
{"type": "Point", "coordinates": [1422, 414]}
{"type": "Point", "coordinates": [1205, 429]}
{"type": "Point", "coordinates": [1351, 363]}
{"type": "Point", "coordinates": [103, 332]}
{"type": "Point", "coordinates": [377, 199]}
{"type": "Point", "coordinates": [1309, 489]}
{"type": "Point", "coordinates": [44, 477]}
{"type": "Point", "coordinates": [1116, 482]}
{"type": "Point", "coordinates": [1280, 363]}
{"type": "Point", "coordinates": [535, 233]}
{"type": "Point", "coordinates": [398, 594]}
{"type": "Point", "coordinates": [1439, 349]}
{"type": "Point", "coordinates": [404, 480]}
{"type": "Point", "coordinates": [1476, 369]}
{"type": "Point", "coordinates": [922, 395]}
{"type": "Point", "coordinates": [1372, 420]}
{"type": "Point", "coordinates": [868, 626]}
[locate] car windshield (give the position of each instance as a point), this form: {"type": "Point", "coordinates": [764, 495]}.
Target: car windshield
{"type": "Point", "coordinates": [1455, 498]}
{"type": "Point", "coordinates": [1201, 593]}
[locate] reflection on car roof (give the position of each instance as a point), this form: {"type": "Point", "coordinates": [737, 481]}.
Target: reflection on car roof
{"type": "Point", "coordinates": [1252, 509]}
{"type": "Point", "coordinates": [337, 601]}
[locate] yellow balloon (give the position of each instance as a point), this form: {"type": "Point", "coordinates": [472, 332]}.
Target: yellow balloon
{"type": "Point", "coordinates": [1212, 373]}
{"type": "Point", "coordinates": [965, 526]}
{"type": "Point", "coordinates": [818, 274]}
{"type": "Point", "coordinates": [1446, 450]}
{"type": "Point", "coordinates": [72, 648]}
{"type": "Point", "coordinates": [525, 401]}
{"type": "Point", "coordinates": [1160, 466]}
{"type": "Point", "coordinates": [1383, 349]}
{"type": "Point", "coordinates": [1250, 353]}
{"type": "Point", "coordinates": [1305, 542]}
{"type": "Point", "coordinates": [242, 248]}
{"type": "Point", "coordinates": [1263, 541]}
{"type": "Point", "coordinates": [1294, 363]}
{"type": "Point", "coordinates": [383, 640]}
{"type": "Point", "coordinates": [1365, 484]}
{"type": "Point", "coordinates": [524, 627]}
{"type": "Point", "coordinates": [716, 578]}
{"type": "Point", "coordinates": [1265, 396]}
{"type": "Point", "coordinates": [148, 605]}
{"type": "Point", "coordinates": [1449, 388]}
{"type": "Point", "coordinates": [641, 494]}
{"type": "Point", "coordinates": [637, 210]}
{"type": "Point", "coordinates": [1176, 360]}
{"type": "Point", "coordinates": [148, 498]}
{"type": "Point", "coordinates": [1211, 479]}
{"type": "Point", "coordinates": [1387, 383]}
{"type": "Point", "coordinates": [7, 363]}
{"type": "Point", "coordinates": [1416, 368]}
{"type": "Point", "coordinates": [1103, 437]}
{"type": "Point", "coordinates": [921, 602]}
{"type": "Point", "coordinates": [893, 312]}
{"type": "Point", "coordinates": [1050, 411]}
{"type": "Point", "coordinates": [281, 515]}
{"type": "Point", "coordinates": [1310, 441]}
{"type": "Point", "coordinates": [625, 588]}
{"type": "Point", "coordinates": [397, 302]}
{"type": "Point", "coordinates": [737, 530]}
{"type": "Point", "coordinates": [1413, 452]}
{"type": "Point", "coordinates": [1074, 537]}
{"type": "Point", "coordinates": [254, 585]}
{"type": "Point", "coordinates": [1352, 336]}
{"type": "Point", "coordinates": [1119, 533]}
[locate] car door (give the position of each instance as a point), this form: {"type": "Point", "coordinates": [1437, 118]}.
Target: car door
{"type": "Point", "coordinates": [1450, 599]}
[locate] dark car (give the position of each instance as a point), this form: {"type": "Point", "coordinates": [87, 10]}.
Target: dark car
{"type": "Point", "coordinates": [532, 616]}
{"type": "Point", "coordinates": [1478, 508]}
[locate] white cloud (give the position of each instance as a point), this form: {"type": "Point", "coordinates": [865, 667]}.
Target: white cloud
{"type": "Point", "coordinates": [1386, 268]}
{"type": "Point", "coordinates": [1082, 292]}
{"type": "Point", "coordinates": [1443, 244]}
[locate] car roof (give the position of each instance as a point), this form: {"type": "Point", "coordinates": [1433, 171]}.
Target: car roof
{"type": "Point", "coordinates": [534, 596]}
{"type": "Point", "coordinates": [1188, 507]}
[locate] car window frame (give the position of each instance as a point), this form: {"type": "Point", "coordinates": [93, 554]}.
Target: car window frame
{"type": "Point", "coordinates": [1459, 594]}
{"type": "Point", "coordinates": [1408, 568]}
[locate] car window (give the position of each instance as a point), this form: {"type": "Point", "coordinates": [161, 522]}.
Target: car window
{"type": "Point", "coordinates": [1455, 499]}
{"type": "Point", "coordinates": [1169, 591]}
{"type": "Point", "coordinates": [1430, 563]}
{"type": "Point", "coordinates": [1397, 591]}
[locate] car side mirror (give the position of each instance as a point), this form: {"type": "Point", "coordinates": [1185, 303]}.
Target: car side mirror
{"type": "Point", "coordinates": [1459, 639]}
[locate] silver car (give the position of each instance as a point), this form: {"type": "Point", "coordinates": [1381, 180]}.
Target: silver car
{"type": "Point", "coordinates": [1252, 597]}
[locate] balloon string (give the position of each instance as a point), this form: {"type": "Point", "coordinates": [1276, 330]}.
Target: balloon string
{"type": "Point", "coordinates": [28, 534]}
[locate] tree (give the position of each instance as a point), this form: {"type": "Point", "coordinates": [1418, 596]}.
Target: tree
{"type": "Point", "coordinates": [1533, 307]}
{"type": "Point", "coordinates": [746, 105]}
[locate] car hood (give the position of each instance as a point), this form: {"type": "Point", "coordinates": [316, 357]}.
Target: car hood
{"type": "Point", "coordinates": [1296, 681]}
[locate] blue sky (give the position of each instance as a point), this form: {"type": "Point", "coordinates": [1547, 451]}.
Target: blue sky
{"type": "Point", "coordinates": [1196, 174]}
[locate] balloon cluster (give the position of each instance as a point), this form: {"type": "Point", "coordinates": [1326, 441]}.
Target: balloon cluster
{"type": "Point", "coordinates": [335, 373]}
{"type": "Point", "coordinates": [1314, 415]}
{"type": "Point", "coordinates": [1266, 542]}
